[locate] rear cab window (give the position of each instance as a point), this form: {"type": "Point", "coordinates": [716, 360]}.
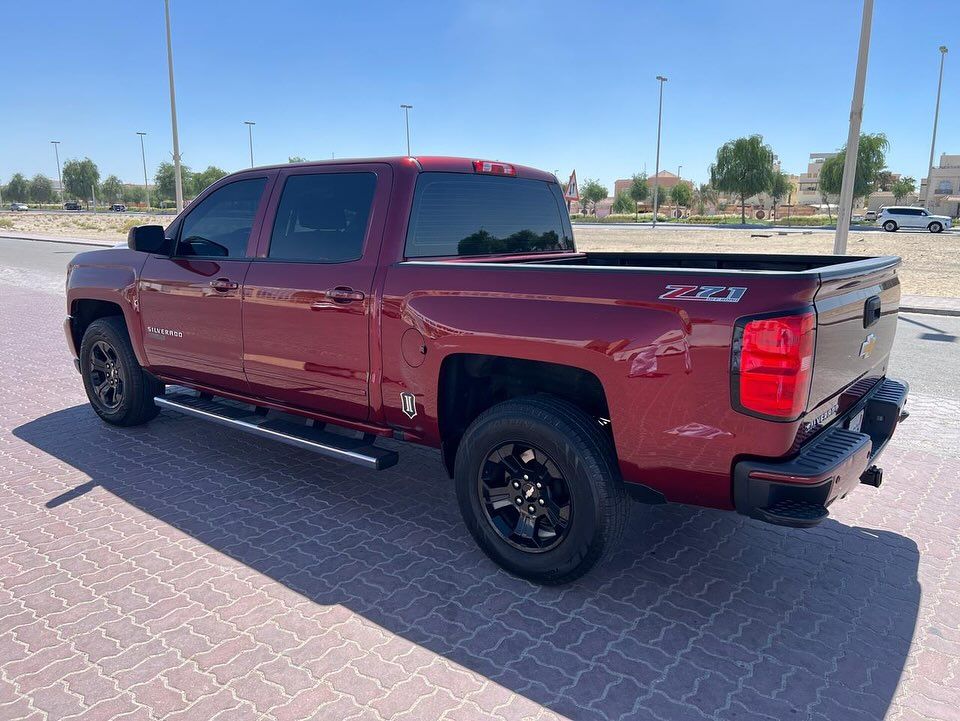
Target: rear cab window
{"type": "Point", "coordinates": [459, 214]}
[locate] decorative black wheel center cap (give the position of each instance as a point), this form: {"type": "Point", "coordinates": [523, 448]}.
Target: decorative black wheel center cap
{"type": "Point", "coordinates": [529, 491]}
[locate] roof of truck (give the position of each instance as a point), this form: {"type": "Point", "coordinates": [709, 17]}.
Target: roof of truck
{"type": "Point", "coordinates": [426, 163]}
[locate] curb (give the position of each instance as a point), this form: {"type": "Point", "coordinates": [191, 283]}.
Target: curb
{"type": "Point", "coordinates": [94, 242]}
{"type": "Point", "coordinates": [926, 310]}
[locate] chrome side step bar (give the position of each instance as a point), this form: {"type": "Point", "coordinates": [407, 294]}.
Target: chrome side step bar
{"type": "Point", "coordinates": [249, 419]}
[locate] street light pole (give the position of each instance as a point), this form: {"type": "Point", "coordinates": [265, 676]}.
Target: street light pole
{"type": "Point", "coordinates": [845, 208]}
{"type": "Point", "coordinates": [177, 176]}
{"type": "Point", "coordinates": [143, 156]}
{"type": "Point", "coordinates": [656, 173]}
{"type": "Point", "coordinates": [250, 124]}
{"type": "Point", "coordinates": [933, 141]}
{"type": "Point", "coordinates": [56, 150]}
{"type": "Point", "coordinates": [406, 113]}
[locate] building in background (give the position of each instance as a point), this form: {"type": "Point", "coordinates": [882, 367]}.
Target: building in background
{"type": "Point", "coordinates": [946, 186]}
{"type": "Point", "coordinates": [808, 184]}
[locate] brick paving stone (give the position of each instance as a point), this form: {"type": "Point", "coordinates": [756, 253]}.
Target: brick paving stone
{"type": "Point", "coordinates": [178, 570]}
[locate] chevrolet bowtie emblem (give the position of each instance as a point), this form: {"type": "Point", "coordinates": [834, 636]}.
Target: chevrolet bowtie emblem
{"type": "Point", "coordinates": [866, 348]}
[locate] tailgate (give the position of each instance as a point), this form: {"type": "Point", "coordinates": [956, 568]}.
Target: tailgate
{"type": "Point", "coordinates": [856, 306]}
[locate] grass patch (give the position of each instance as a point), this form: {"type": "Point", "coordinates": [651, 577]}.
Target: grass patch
{"type": "Point", "coordinates": [6, 223]}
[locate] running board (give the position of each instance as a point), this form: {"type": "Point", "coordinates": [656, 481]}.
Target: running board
{"type": "Point", "coordinates": [250, 419]}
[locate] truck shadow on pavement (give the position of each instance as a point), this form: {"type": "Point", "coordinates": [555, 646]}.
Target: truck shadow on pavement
{"type": "Point", "coordinates": [700, 614]}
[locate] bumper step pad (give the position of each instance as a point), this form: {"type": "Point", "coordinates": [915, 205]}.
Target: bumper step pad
{"type": "Point", "coordinates": [796, 514]}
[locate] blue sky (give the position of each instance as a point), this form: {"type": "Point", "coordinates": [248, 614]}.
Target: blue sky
{"type": "Point", "coordinates": [554, 84]}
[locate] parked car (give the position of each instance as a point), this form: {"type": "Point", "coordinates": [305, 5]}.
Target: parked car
{"type": "Point", "coordinates": [870, 215]}
{"type": "Point", "coordinates": [72, 205]}
{"type": "Point", "coordinates": [895, 217]}
{"type": "Point", "coordinates": [442, 301]}
{"type": "Point", "coordinates": [19, 206]}
{"type": "Point", "coordinates": [118, 208]}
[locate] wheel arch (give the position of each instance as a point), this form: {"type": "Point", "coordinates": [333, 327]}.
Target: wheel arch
{"type": "Point", "coordinates": [84, 311]}
{"type": "Point", "coordinates": [470, 383]}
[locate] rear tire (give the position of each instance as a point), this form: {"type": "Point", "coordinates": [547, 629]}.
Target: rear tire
{"type": "Point", "coordinates": [890, 226]}
{"type": "Point", "coordinates": [935, 227]}
{"type": "Point", "coordinates": [118, 388]}
{"type": "Point", "coordinates": [555, 533]}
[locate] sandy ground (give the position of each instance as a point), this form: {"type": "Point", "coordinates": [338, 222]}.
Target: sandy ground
{"type": "Point", "coordinates": [931, 263]}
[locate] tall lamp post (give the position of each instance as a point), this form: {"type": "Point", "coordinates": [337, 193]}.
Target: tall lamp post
{"type": "Point", "coordinates": [656, 172]}
{"type": "Point", "coordinates": [177, 175]}
{"type": "Point", "coordinates": [250, 124]}
{"type": "Point", "coordinates": [406, 113]}
{"type": "Point", "coordinates": [143, 156]}
{"type": "Point", "coordinates": [845, 207]}
{"type": "Point", "coordinates": [56, 151]}
{"type": "Point", "coordinates": [933, 141]}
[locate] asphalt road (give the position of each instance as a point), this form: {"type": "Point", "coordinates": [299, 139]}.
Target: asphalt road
{"type": "Point", "coordinates": [925, 347]}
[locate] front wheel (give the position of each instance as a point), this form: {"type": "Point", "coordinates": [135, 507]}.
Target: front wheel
{"type": "Point", "coordinates": [890, 226]}
{"type": "Point", "coordinates": [119, 390]}
{"type": "Point", "coordinates": [539, 489]}
{"type": "Point", "coordinates": [935, 227]}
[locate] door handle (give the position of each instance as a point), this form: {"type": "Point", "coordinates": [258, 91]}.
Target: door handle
{"type": "Point", "coordinates": [343, 294]}
{"type": "Point", "coordinates": [222, 285]}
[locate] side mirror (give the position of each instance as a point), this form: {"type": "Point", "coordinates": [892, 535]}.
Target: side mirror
{"type": "Point", "coordinates": [149, 239]}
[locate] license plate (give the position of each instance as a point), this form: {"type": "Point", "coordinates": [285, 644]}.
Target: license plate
{"type": "Point", "coordinates": [856, 422]}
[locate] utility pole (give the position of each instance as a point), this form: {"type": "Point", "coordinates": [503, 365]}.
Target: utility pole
{"type": "Point", "coordinates": [656, 173]}
{"type": "Point", "coordinates": [845, 209]}
{"type": "Point", "coordinates": [56, 150]}
{"type": "Point", "coordinates": [406, 113]}
{"type": "Point", "coordinates": [143, 156]}
{"type": "Point", "coordinates": [933, 141]}
{"type": "Point", "coordinates": [177, 176]}
{"type": "Point", "coordinates": [250, 124]}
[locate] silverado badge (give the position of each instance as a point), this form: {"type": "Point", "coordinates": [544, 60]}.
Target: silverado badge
{"type": "Point", "coordinates": [408, 404]}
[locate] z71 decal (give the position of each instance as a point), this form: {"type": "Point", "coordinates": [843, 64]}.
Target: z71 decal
{"type": "Point", "coordinates": [713, 293]}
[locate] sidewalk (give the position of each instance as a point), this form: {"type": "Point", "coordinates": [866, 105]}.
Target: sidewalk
{"type": "Point", "coordinates": [928, 304]}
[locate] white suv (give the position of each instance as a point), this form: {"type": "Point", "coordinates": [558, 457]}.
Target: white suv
{"type": "Point", "coordinates": [890, 219]}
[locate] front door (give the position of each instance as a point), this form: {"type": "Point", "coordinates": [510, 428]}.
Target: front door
{"type": "Point", "coordinates": [308, 295]}
{"type": "Point", "coordinates": [190, 303]}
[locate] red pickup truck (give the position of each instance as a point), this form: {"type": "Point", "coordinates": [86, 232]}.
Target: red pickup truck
{"type": "Point", "coordinates": [442, 301]}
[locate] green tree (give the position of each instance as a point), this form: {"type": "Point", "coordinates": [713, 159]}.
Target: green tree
{"type": "Point", "coordinates": [206, 178]}
{"type": "Point", "coordinates": [681, 194]}
{"type": "Point", "coordinates": [133, 194]}
{"type": "Point", "coordinates": [111, 190]}
{"type": "Point", "coordinates": [80, 179]}
{"type": "Point", "coordinates": [18, 189]}
{"type": "Point", "coordinates": [592, 192]}
{"type": "Point", "coordinates": [296, 159]}
{"type": "Point", "coordinates": [638, 191]}
{"type": "Point", "coordinates": [780, 187]}
{"type": "Point", "coordinates": [623, 203]}
{"type": "Point", "coordinates": [164, 185]}
{"type": "Point", "coordinates": [41, 189]}
{"type": "Point", "coordinates": [902, 187]}
{"type": "Point", "coordinates": [871, 161]}
{"type": "Point", "coordinates": [743, 167]}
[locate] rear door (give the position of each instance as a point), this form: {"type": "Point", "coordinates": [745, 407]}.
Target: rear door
{"type": "Point", "coordinates": [190, 302]}
{"type": "Point", "coordinates": [857, 306]}
{"type": "Point", "coordinates": [308, 295]}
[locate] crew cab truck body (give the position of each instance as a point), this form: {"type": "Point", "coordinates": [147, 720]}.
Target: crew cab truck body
{"type": "Point", "coordinates": [441, 301]}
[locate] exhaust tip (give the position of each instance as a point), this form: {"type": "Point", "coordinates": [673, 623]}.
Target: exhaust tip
{"type": "Point", "coordinates": [873, 476]}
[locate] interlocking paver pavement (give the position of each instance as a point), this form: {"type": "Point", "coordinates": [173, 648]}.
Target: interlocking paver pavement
{"type": "Point", "coordinates": [181, 571]}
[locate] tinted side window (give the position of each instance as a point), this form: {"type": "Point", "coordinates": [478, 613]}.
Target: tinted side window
{"type": "Point", "coordinates": [220, 225]}
{"type": "Point", "coordinates": [323, 217]}
{"type": "Point", "coordinates": [461, 214]}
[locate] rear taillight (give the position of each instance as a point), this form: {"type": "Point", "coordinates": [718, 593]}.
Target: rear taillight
{"type": "Point", "coordinates": [492, 167]}
{"type": "Point", "coordinates": [773, 365]}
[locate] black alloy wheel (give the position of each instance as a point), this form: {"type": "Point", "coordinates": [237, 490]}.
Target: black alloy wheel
{"type": "Point", "coordinates": [105, 374]}
{"type": "Point", "coordinates": [525, 497]}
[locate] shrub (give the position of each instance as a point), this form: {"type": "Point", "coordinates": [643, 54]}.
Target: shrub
{"type": "Point", "coordinates": [6, 223]}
